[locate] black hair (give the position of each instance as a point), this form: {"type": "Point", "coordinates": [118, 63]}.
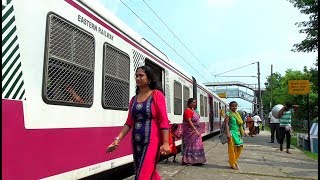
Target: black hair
{"type": "Point", "coordinates": [190, 100]}
{"type": "Point", "coordinates": [174, 126]}
{"type": "Point", "coordinates": [150, 75]}
{"type": "Point", "coordinates": [288, 105]}
{"type": "Point", "coordinates": [233, 102]}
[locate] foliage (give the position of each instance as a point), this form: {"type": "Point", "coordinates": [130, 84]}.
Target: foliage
{"type": "Point", "coordinates": [277, 88]}
{"type": "Point", "coordinates": [310, 28]}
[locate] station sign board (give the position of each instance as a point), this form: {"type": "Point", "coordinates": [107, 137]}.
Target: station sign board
{"type": "Point", "coordinates": [299, 86]}
{"type": "Point", "coordinates": [222, 95]}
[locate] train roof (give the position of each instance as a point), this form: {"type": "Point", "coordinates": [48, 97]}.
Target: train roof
{"type": "Point", "coordinates": [128, 31]}
{"type": "Point", "coordinates": [107, 15]}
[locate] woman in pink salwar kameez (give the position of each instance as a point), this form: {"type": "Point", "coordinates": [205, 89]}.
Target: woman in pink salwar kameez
{"type": "Point", "coordinates": [148, 119]}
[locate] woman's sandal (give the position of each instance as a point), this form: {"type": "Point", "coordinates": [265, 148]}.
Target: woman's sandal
{"type": "Point", "coordinates": [234, 167]}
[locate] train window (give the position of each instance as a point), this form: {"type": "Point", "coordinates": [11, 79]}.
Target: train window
{"type": "Point", "coordinates": [205, 106]}
{"type": "Point", "coordinates": [116, 78]}
{"type": "Point", "coordinates": [69, 64]}
{"type": "Point", "coordinates": [186, 96]}
{"type": "Point", "coordinates": [177, 88]}
{"type": "Point", "coordinates": [201, 105]}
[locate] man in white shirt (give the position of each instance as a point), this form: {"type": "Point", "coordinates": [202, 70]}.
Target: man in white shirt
{"type": "Point", "coordinates": [274, 126]}
{"type": "Point", "coordinates": [257, 120]}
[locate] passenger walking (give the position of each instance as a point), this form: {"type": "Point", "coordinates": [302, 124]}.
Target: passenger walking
{"type": "Point", "coordinates": [285, 115]}
{"type": "Point", "coordinates": [234, 132]}
{"type": "Point", "coordinates": [192, 147]}
{"type": "Point", "coordinates": [274, 126]}
{"type": "Point", "coordinates": [148, 117]}
{"type": "Point", "coordinates": [250, 125]}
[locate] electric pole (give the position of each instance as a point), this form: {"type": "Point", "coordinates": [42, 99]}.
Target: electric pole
{"type": "Point", "coordinates": [260, 100]}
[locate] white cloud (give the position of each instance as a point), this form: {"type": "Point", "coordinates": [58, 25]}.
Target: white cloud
{"type": "Point", "coordinates": [220, 3]}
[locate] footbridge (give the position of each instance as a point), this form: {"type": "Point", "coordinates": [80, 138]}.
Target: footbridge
{"type": "Point", "coordinates": [236, 92]}
{"type": "Point", "coordinates": [253, 87]}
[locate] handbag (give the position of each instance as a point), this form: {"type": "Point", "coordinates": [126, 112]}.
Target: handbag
{"type": "Point", "coordinates": [223, 136]}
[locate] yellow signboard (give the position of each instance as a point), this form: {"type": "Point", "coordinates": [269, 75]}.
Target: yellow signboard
{"type": "Point", "coordinates": [222, 95]}
{"type": "Point", "coordinates": [299, 86]}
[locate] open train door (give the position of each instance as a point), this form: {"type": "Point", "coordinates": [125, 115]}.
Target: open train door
{"type": "Point", "coordinates": [158, 73]}
{"type": "Point", "coordinates": [211, 112]}
{"type": "Point", "coordinates": [194, 90]}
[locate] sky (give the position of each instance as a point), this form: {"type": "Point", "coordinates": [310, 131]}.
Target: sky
{"type": "Point", "coordinates": [220, 35]}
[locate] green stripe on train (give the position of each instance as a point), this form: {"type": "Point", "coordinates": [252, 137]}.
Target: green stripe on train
{"type": "Point", "coordinates": [12, 76]}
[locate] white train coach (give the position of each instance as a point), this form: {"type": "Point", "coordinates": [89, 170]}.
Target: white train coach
{"type": "Point", "coordinates": [67, 78]}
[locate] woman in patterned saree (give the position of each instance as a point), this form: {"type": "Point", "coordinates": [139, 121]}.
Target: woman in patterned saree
{"type": "Point", "coordinates": [250, 125]}
{"type": "Point", "coordinates": [192, 147]}
{"type": "Point", "coordinates": [235, 132]}
{"type": "Point", "coordinates": [148, 117]}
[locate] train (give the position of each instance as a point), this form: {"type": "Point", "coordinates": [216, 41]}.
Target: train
{"type": "Point", "coordinates": [67, 77]}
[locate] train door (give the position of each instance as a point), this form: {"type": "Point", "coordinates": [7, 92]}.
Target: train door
{"type": "Point", "coordinates": [211, 113]}
{"type": "Point", "coordinates": [194, 85]}
{"type": "Point", "coordinates": [220, 111]}
{"type": "Point", "coordinates": [158, 72]}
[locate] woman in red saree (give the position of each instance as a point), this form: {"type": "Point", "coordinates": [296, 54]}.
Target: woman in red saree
{"type": "Point", "coordinates": [250, 125]}
{"type": "Point", "coordinates": [192, 146]}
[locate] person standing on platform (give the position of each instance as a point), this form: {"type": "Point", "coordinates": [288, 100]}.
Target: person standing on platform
{"type": "Point", "coordinates": [274, 126]}
{"type": "Point", "coordinates": [285, 115]}
{"type": "Point", "coordinates": [257, 121]}
{"type": "Point", "coordinates": [234, 132]}
{"type": "Point", "coordinates": [148, 117]}
{"type": "Point", "coordinates": [250, 125]}
{"type": "Point", "coordinates": [192, 147]}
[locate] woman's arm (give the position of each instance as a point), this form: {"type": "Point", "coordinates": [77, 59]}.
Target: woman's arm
{"type": "Point", "coordinates": [280, 113]}
{"type": "Point", "coordinates": [226, 120]}
{"type": "Point", "coordinates": [126, 128]}
{"type": "Point", "coordinates": [123, 132]}
{"type": "Point", "coordinates": [160, 106]}
{"type": "Point", "coordinates": [193, 127]}
{"type": "Point", "coordinates": [165, 136]}
{"type": "Point", "coordinates": [117, 140]}
{"type": "Point", "coordinates": [74, 94]}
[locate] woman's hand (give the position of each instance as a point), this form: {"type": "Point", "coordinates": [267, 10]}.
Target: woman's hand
{"type": "Point", "coordinates": [197, 132]}
{"type": "Point", "coordinates": [228, 135]}
{"type": "Point", "coordinates": [165, 149]}
{"type": "Point", "coordinates": [113, 146]}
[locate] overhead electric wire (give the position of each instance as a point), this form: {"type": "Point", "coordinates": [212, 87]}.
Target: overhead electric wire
{"type": "Point", "coordinates": [236, 68]}
{"type": "Point", "coordinates": [177, 37]}
{"type": "Point", "coordinates": [238, 76]}
{"type": "Point", "coordinates": [162, 39]}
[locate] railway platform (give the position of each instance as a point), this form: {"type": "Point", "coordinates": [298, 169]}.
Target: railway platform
{"type": "Point", "coordinates": [259, 160]}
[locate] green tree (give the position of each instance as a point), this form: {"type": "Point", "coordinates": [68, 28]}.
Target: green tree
{"type": "Point", "coordinates": [273, 91]}
{"type": "Point", "coordinates": [279, 89]}
{"type": "Point", "coordinates": [313, 74]}
{"type": "Point", "coordinates": [310, 28]}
